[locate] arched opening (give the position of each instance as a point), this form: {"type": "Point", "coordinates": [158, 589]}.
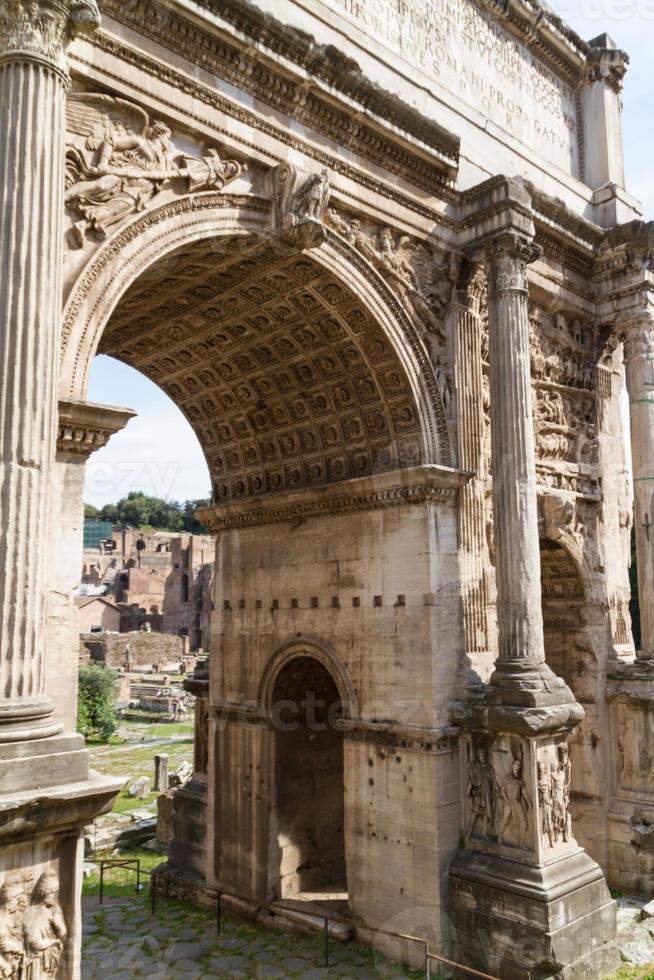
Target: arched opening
{"type": "Point", "coordinates": [563, 601]}
{"type": "Point", "coordinates": [296, 370]}
{"type": "Point", "coordinates": [287, 379]}
{"type": "Point", "coordinates": [307, 826]}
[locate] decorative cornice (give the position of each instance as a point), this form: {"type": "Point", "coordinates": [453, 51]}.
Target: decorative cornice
{"type": "Point", "coordinates": [85, 427]}
{"type": "Point", "coordinates": [422, 484]}
{"type": "Point", "coordinates": [215, 100]}
{"type": "Point", "coordinates": [389, 132]}
{"type": "Point", "coordinates": [608, 65]}
{"type": "Point", "coordinates": [561, 49]}
{"type": "Point", "coordinates": [42, 29]}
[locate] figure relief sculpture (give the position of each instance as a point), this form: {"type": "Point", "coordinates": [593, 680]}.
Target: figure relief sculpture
{"type": "Point", "coordinates": [12, 910]}
{"type": "Point", "coordinates": [482, 792]}
{"type": "Point", "coordinates": [123, 161]}
{"type": "Point", "coordinates": [560, 802]}
{"type": "Point", "coordinates": [545, 802]}
{"type": "Point", "coordinates": [311, 199]}
{"type": "Point", "coordinates": [33, 931]}
{"type": "Point", "coordinates": [44, 930]}
{"type": "Point", "coordinates": [515, 805]}
{"type": "Point", "coordinates": [554, 783]}
{"type": "Point", "coordinates": [421, 281]}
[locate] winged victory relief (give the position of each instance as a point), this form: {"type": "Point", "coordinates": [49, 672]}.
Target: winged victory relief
{"type": "Point", "coordinates": [117, 161]}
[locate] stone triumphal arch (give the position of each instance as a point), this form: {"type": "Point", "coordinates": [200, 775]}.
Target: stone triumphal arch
{"type": "Point", "coordinates": [382, 258]}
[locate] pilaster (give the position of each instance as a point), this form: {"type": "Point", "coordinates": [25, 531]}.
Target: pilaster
{"type": "Point", "coordinates": [638, 340]}
{"type": "Point", "coordinates": [607, 66]}
{"type": "Point", "coordinates": [82, 429]}
{"type": "Point", "coordinates": [470, 296]}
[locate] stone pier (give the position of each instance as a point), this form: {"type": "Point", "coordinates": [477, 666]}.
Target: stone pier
{"type": "Point", "coordinates": [47, 793]}
{"type": "Point", "coordinates": [638, 342]}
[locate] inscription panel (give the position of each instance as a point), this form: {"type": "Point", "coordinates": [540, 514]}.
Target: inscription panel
{"type": "Point", "coordinates": [473, 56]}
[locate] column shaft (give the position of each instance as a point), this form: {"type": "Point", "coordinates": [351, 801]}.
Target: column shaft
{"type": "Point", "coordinates": [32, 112]}
{"type": "Point", "coordinates": [519, 613]}
{"type": "Point", "coordinates": [639, 364]}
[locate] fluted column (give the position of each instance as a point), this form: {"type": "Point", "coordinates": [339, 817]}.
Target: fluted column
{"type": "Point", "coordinates": [521, 677]}
{"type": "Point", "coordinates": [639, 365]}
{"type": "Point", "coordinates": [470, 446]}
{"type": "Point", "coordinates": [33, 85]}
{"type": "Point", "coordinates": [513, 463]}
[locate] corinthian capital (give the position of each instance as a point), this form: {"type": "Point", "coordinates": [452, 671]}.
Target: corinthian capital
{"type": "Point", "coordinates": [507, 258]}
{"type": "Point", "coordinates": [637, 334]}
{"type": "Point", "coordinates": [42, 29]}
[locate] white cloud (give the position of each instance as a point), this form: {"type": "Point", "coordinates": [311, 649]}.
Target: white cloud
{"type": "Point", "coordinates": [157, 452]}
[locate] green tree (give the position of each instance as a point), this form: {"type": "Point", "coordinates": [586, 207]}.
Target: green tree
{"type": "Point", "coordinates": [96, 709]}
{"type": "Point", "coordinates": [141, 511]}
{"type": "Point", "coordinates": [191, 523]}
{"type": "Point", "coordinates": [90, 511]}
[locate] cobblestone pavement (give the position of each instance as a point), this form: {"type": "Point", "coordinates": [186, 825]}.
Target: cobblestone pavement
{"type": "Point", "coordinates": [123, 940]}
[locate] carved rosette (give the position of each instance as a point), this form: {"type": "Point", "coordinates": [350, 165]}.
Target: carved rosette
{"type": "Point", "coordinates": [508, 257]}
{"type": "Point", "coordinates": [42, 29]}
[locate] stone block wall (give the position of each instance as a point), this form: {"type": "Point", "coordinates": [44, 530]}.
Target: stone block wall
{"type": "Point", "coordinates": [145, 648]}
{"type": "Point", "coordinates": [377, 591]}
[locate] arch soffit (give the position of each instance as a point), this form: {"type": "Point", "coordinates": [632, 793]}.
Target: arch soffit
{"type": "Point", "coordinates": [574, 553]}
{"type": "Point", "coordinates": [296, 649]}
{"type": "Point", "coordinates": [160, 231]}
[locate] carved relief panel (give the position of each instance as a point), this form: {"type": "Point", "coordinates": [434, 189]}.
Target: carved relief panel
{"type": "Point", "coordinates": [564, 373]}
{"type": "Point", "coordinates": [633, 738]}
{"type": "Point", "coordinates": [517, 796]}
{"type": "Point", "coordinates": [118, 160]}
{"type": "Point", "coordinates": [33, 929]}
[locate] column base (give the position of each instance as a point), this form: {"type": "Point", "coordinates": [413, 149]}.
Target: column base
{"type": "Point", "coordinates": [22, 719]}
{"type": "Point", "coordinates": [39, 763]}
{"type": "Point", "coordinates": [522, 922]}
{"type": "Point", "coordinates": [522, 697]}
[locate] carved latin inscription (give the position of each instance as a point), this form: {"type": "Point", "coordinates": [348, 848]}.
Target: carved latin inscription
{"type": "Point", "coordinates": [472, 56]}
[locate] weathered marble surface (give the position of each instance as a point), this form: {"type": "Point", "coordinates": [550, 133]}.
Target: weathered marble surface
{"type": "Point", "coordinates": [393, 287]}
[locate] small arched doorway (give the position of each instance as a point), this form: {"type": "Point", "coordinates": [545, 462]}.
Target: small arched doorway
{"type": "Point", "coordinates": [564, 602]}
{"type": "Point", "coordinates": [307, 819]}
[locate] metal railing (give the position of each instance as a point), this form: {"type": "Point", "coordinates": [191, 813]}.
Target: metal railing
{"type": "Point", "coordinates": [134, 865]}
{"type": "Point", "coordinates": [396, 935]}
{"type": "Point", "coordinates": [439, 959]}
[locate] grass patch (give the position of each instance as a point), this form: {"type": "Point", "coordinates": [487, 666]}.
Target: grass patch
{"type": "Point", "coordinates": [130, 753]}
{"type": "Point", "coordinates": [634, 973]}
{"type": "Point", "coordinates": [121, 882]}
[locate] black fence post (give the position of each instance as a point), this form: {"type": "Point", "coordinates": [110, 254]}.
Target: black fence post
{"type": "Point", "coordinates": [325, 939]}
{"type": "Point", "coordinates": [219, 913]}
{"type": "Point", "coordinates": [101, 880]}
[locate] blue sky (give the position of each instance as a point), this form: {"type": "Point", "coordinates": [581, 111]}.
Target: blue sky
{"type": "Point", "coordinates": [158, 451]}
{"type": "Point", "coordinates": [631, 25]}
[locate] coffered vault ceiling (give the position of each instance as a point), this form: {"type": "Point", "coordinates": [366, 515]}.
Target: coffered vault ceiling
{"type": "Point", "coordinates": [287, 380]}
